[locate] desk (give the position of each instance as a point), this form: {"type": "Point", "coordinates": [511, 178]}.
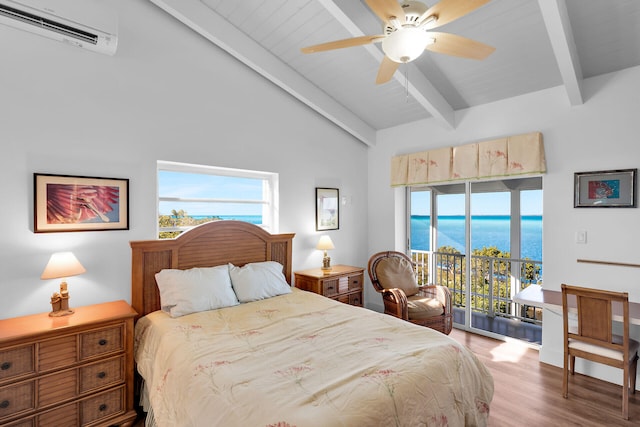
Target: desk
{"type": "Point", "coordinates": [535, 296]}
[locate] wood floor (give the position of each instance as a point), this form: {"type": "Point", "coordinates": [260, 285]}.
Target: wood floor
{"type": "Point", "coordinates": [529, 393]}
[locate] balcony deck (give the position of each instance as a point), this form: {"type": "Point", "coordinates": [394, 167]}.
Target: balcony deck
{"type": "Point", "coordinates": [513, 328]}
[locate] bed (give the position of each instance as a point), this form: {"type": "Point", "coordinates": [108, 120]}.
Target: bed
{"type": "Point", "coordinates": [288, 357]}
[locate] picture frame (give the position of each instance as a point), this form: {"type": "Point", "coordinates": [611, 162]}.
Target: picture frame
{"type": "Point", "coordinates": [327, 209]}
{"type": "Point", "coordinates": [605, 189]}
{"type": "Point", "coordinates": [79, 203]}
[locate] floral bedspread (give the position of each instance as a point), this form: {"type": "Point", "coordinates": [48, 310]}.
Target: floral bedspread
{"type": "Point", "coordinates": [304, 360]}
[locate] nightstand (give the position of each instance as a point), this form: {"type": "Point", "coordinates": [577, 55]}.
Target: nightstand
{"type": "Point", "coordinates": [73, 370]}
{"type": "Point", "coordinates": [343, 283]}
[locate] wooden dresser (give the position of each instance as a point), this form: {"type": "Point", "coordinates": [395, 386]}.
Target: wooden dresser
{"type": "Point", "coordinates": [68, 371]}
{"type": "Point", "coordinates": [343, 283]}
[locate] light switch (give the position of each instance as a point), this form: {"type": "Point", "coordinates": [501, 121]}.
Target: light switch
{"type": "Point", "coordinates": [581, 236]}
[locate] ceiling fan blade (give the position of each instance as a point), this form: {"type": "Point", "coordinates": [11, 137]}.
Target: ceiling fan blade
{"type": "Point", "coordinates": [386, 9]}
{"type": "Point", "coordinates": [387, 68]}
{"type": "Point", "coordinates": [449, 10]}
{"type": "Point", "coordinates": [452, 44]}
{"type": "Point", "coordinates": [339, 44]}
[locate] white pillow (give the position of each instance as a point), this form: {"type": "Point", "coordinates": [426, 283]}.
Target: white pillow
{"type": "Point", "coordinates": [197, 289]}
{"type": "Point", "coordinates": [258, 280]}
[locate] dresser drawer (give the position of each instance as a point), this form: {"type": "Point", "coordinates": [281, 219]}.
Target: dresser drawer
{"type": "Point", "coordinates": [17, 361]}
{"type": "Point", "coordinates": [67, 415]}
{"type": "Point", "coordinates": [57, 387]}
{"type": "Point", "coordinates": [57, 353]}
{"type": "Point", "coordinates": [17, 398]}
{"type": "Point", "coordinates": [355, 298]}
{"type": "Point", "coordinates": [102, 341]}
{"type": "Point", "coordinates": [355, 282]}
{"type": "Point", "coordinates": [29, 422]}
{"type": "Point", "coordinates": [330, 287]}
{"type": "Point", "coordinates": [102, 405]}
{"type": "Point", "coordinates": [101, 374]}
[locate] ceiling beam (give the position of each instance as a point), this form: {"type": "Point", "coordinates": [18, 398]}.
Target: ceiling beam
{"type": "Point", "coordinates": [203, 20]}
{"type": "Point", "coordinates": [419, 86]}
{"type": "Point", "coordinates": [556, 19]}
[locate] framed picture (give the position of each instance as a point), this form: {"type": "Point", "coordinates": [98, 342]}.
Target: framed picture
{"type": "Point", "coordinates": [605, 189]}
{"type": "Point", "coordinates": [327, 215]}
{"type": "Point", "coordinates": [80, 203]}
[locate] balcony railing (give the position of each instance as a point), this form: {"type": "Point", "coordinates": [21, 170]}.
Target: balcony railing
{"type": "Point", "coordinates": [494, 282]}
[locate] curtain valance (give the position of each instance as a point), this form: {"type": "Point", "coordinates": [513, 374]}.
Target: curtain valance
{"type": "Point", "coordinates": [513, 155]}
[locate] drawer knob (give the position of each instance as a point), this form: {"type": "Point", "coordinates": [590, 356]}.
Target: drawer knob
{"type": "Point", "coordinates": [5, 366]}
{"type": "Point", "coordinates": [4, 404]}
{"type": "Point", "coordinates": [102, 407]}
{"type": "Point", "coordinates": [102, 375]}
{"type": "Point", "coordinates": [102, 342]}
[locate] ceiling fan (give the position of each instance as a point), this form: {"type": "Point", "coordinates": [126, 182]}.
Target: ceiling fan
{"type": "Point", "coordinates": [406, 33]}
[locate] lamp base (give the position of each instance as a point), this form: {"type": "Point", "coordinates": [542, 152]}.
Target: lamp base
{"type": "Point", "coordinates": [61, 313]}
{"type": "Point", "coordinates": [326, 263]}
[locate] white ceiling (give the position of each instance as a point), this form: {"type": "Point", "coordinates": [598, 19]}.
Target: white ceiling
{"type": "Point", "coordinates": [539, 44]}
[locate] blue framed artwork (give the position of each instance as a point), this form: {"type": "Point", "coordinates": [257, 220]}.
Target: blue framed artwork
{"type": "Point", "coordinates": [605, 189]}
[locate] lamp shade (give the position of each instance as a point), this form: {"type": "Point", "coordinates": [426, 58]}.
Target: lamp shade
{"type": "Point", "coordinates": [325, 243]}
{"type": "Point", "coordinates": [406, 44]}
{"type": "Point", "coordinates": [62, 264]}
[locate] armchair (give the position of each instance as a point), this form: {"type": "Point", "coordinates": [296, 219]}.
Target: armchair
{"type": "Point", "coordinates": [393, 276]}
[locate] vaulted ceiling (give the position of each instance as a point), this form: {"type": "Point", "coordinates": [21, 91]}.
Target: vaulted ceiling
{"type": "Point", "coordinates": [539, 44]}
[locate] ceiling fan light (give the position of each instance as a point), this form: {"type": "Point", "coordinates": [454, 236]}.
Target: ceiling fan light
{"type": "Point", "coordinates": [406, 44]}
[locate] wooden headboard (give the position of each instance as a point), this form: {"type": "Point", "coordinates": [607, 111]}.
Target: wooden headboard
{"type": "Point", "coordinates": [207, 245]}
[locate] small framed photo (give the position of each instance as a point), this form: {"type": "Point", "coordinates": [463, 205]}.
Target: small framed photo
{"type": "Point", "coordinates": [605, 189]}
{"type": "Point", "coordinates": [327, 215]}
{"type": "Point", "coordinates": [79, 203]}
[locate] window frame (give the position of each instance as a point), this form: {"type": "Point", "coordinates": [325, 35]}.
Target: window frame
{"type": "Point", "coordinates": [270, 198]}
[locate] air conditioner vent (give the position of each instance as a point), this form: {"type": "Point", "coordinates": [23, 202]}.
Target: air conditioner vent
{"type": "Point", "coordinates": [38, 21]}
{"type": "Point", "coordinates": [88, 25]}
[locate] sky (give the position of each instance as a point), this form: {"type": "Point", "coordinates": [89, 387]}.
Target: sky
{"type": "Point", "coordinates": [481, 204]}
{"type": "Point", "coordinates": [189, 185]}
{"type": "Point", "coordinates": [176, 184]}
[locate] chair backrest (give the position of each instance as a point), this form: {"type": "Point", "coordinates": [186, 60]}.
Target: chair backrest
{"type": "Point", "coordinates": [391, 269]}
{"type": "Point", "coordinates": [594, 316]}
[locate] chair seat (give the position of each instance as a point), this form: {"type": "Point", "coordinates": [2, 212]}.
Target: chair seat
{"type": "Point", "coordinates": [604, 351]}
{"type": "Point", "coordinates": [421, 307]}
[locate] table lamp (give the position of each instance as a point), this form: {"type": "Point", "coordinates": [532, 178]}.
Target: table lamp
{"type": "Point", "coordinates": [60, 266]}
{"type": "Point", "coordinates": [325, 244]}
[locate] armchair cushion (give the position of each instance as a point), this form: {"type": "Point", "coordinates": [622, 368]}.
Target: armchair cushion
{"type": "Point", "coordinates": [396, 272]}
{"type": "Point", "coordinates": [422, 307]}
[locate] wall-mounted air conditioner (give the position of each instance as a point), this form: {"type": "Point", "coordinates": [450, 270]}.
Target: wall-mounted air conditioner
{"type": "Point", "coordinates": [82, 23]}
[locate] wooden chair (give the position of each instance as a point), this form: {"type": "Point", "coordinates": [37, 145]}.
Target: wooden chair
{"type": "Point", "coordinates": [393, 275]}
{"type": "Point", "coordinates": [593, 339]}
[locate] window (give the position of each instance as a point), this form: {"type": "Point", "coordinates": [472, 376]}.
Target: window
{"type": "Point", "coordinates": [190, 195]}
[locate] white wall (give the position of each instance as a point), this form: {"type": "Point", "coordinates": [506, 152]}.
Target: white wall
{"type": "Point", "coordinates": [602, 134]}
{"type": "Point", "coordinates": [167, 94]}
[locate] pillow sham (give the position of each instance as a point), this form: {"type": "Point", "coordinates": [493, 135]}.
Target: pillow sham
{"type": "Point", "coordinates": [258, 280]}
{"type": "Point", "coordinates": [197, 289]}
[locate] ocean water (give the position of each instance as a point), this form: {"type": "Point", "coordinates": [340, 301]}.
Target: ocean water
{"type": "Point", "coordinates": [253, 219]}
{"type": "Point", "coordinates": [486, 231]}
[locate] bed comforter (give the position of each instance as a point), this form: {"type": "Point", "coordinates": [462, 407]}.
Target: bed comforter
{"type": "Point", "coordinates": [304, 360]}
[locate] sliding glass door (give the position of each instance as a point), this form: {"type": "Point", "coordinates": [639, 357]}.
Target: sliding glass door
{"type": "Point", "coordinates": [484, 242]}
